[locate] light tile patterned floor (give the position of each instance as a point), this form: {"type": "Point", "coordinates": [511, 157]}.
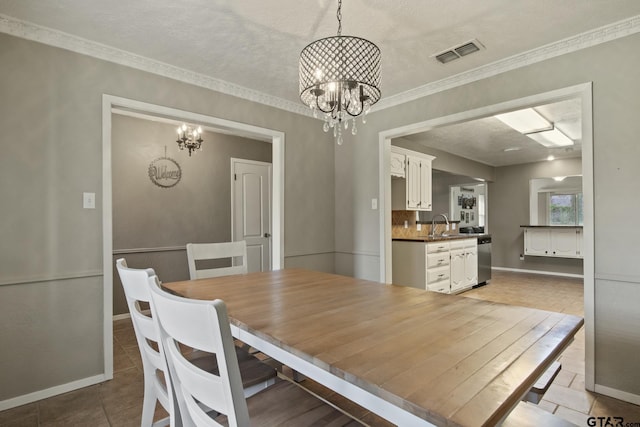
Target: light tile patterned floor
{"type": "Point", "coordinates": [119, 402]}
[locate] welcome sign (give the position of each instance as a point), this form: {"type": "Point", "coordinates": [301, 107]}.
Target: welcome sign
{"type": "Point", "coordinates": [165, 172]}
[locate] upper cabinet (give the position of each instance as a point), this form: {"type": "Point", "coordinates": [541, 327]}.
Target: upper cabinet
{"type": "Point", "coordinates": [398, 161]}
{"type": "Point", "coordinates": [411, 183]}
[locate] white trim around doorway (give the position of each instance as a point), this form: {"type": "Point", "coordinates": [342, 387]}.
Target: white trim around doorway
{"type": "Point", "coordinates": [277, 139]}
{"type": "Point", "coordinates": [581, 91]}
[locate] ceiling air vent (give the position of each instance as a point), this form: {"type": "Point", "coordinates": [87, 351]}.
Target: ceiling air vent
{"type": "Point", "coordinates": [459, 51]}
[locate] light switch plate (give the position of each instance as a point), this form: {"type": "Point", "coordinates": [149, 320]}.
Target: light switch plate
{"type": "Point", "coordinates": [374, 204]}
{"type": "Point", "coordinates": [89, 200]}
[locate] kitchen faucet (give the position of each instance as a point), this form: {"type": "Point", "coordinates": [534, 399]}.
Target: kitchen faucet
{"type": "Point", "coordinates": [433, 224]}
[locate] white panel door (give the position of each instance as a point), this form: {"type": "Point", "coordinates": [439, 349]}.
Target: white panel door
{"type": "Point", "coordinates": [251, 216]}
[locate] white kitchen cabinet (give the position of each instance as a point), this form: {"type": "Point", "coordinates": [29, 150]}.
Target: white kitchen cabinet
{"type": "Point", "coordinates": [471, 264]}
{"type": "Point", "coordinates": [537, 241]}
{"type": "Point", "coordinates": [445, 266]}
{"type": "Point", "coordinates": [413, 192]}
{"type": "Point", "coordinates": [464, 264]}
{"type": "Point", "coordinates": [439, 272]}
{"type": "Point", "coordinates": [397, 163]}
{"type": "Point", "coordinates": [418, 177]}
{"type": "Point", "coordinates": [458, 276]}
{"type": "Point", "coordinates": [562, 242]}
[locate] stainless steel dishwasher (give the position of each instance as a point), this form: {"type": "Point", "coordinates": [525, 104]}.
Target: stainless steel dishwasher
{"type": "Point", "coordinates": [484, 259]}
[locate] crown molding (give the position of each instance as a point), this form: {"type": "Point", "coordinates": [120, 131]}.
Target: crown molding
{"type": "Point", "coordinates": [48, 36]}
{"type": "Point", "coordinates": [587, 39]}
{"type": "Point", "coordinates": [30, 31]}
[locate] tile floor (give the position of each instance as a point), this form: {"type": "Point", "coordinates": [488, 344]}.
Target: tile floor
{"type": "Point", "coordinates": [119, 402]}
{"type": "Point", "coordinates": [566, 397]}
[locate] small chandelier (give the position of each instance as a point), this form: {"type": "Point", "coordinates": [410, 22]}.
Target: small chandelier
{"type": "Point", "coordinates": [189, 138]}
{"type": "Point", "coordinates": [340, 77]}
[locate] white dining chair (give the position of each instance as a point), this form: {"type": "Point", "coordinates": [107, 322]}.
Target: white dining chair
{"type": "Point", "coordinates": [157, 388]}
{"type": "Point", "coordinates": [204, 325]}
{"type": "Point", "coordinates": [215, 251]}
{"type": "Point", "coordinates": [255, 375]}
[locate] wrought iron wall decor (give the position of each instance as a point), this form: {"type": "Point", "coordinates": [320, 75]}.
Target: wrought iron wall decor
{"type": "Point", "coordinates": [165, 172]}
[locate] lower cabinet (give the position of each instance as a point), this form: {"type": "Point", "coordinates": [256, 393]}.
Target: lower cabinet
{"type": "Point", "coordinates": [464, 264]}
{"type": "Point", "coordinates": [445, 266]}
{"type": "Point", "coordinates": [438, 267]}
{"type": "Point", "coordinates": [563, 242]}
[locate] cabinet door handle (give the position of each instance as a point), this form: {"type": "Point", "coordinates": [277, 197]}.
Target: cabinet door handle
{"type": "Point", "coordinates": [441, 275]}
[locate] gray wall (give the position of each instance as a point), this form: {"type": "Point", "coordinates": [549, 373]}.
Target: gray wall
{"type": "Point", "coordinates": [616, 129]}
{"type": "Point", "coordinates": [50, 260]}
{"type": "Point", "coordinates": [51, 257]}
{"type": "Point", "coordinates": [442, 183]}
{"type": "Point", "coordinates": [509, 209]}
{"type": "Point", "coordinates": [197, 209]}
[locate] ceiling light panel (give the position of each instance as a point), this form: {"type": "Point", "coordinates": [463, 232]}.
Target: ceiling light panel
{"type": "Point", "coordinates": [525, 121]}
{"type": "Point", "coordinates": [551, 138]}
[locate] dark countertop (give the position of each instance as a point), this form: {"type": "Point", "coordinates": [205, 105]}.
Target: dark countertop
{"type": "Point", "coordinates": [551, 226]}
{"type": "Point", "coordinates": [427, 239]}
{"type": "Point", "coordinates": [437, 222]}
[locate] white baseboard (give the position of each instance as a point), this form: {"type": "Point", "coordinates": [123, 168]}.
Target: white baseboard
{"type": "Point", "coordinates": [618, 394]}
{"type": "Point", "coordinates": [49, 392]}
{"type": "Point", "coordinates": [121, 316]}
{"type": "Point", "coordinates": [547, 273]}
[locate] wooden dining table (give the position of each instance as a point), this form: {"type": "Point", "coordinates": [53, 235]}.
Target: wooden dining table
{"type": "Point", "coordinates": [413, 357]}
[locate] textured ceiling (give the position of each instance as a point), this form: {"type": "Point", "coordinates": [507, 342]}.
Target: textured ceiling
{"type": "Point", "coordinates": [485, 140]}
{"type": "Point", "coordinates": [255, 44]}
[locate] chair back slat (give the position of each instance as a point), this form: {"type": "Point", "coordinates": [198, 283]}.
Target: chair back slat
{"type": "Point", "coordinates": [205, 387]}
{"type": "Point", "coordinates": [213, 251]}
{"type": "Point", "coordinates": [202, 325]}
{"type": "Point", "coordinates": [218, 272]}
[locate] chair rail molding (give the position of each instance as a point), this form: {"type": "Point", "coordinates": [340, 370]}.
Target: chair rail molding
{"type": "Point", "coordinates": [50, 277]}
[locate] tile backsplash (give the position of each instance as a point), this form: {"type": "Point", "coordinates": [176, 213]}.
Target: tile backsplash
{"type": "Point", "coordinates": [398, 230]}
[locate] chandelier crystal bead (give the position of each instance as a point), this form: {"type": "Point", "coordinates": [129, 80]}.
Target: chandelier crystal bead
{"type": "Point", "coordinates": [189, 138]}
{"type": "Point", "coordinates": [340, 77]}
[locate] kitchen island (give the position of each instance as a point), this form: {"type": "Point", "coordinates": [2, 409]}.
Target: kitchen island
{"type": "Point", "coordinates": [440, 263]}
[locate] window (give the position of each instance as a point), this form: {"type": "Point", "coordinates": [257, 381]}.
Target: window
{"type": "Point", "coordinates": [565, 209]}
{"type": "Point", "coordinates": [481, 210]}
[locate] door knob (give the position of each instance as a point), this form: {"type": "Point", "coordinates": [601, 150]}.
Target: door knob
{"type": "Point", "coordinates": [267, 234]}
